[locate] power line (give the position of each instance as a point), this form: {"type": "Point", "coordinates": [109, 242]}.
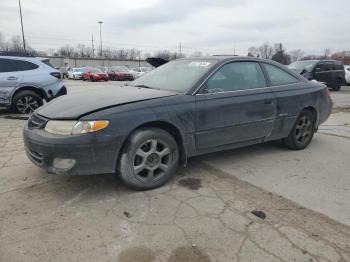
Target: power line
{"type": "Point", "coordinates": [20, 13]}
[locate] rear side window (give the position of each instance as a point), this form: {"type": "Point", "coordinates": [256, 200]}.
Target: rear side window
{"type": "Point", "coordinates": [236, 76]}
{"type": "Point", "coordinates": [279, 77]}
{"type": "Point", "coordinates": [47, 62]}
{"type": "Point", "coordinates": [25, 65]}
{"type": "Point", "coordinates": [7, 65]}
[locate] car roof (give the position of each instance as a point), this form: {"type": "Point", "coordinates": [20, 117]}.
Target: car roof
{"type": "Point", "coordinates": [24, 58]}
{"type": "Point", "coordinates": [224, 58]}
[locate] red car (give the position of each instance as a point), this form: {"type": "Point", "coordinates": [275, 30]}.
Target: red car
{"type": "Point", "coordinates": [120, 73]}
{"type": "Point", "coordinates": [94, 75]}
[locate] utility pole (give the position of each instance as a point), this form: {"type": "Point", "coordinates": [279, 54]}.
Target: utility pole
{"type": "Point", "coordinates": [100, 22]}
{"type": "Point", "coordinates": [180, 48]}
{"type": "Point", "coordinates": [20, 13]}
{"type": "Point", "coordinates": [92, 43]}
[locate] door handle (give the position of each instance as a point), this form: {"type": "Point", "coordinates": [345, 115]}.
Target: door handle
{"type": "Point", "coordinates": [268, 102]}
{"type": "Point", "coordinates": [12, 78]}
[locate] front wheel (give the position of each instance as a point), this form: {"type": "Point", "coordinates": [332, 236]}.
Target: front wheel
{"type": "Point", "coordinates": [149, 159]}
{"type": "Point", "coordinates": [302, 132]}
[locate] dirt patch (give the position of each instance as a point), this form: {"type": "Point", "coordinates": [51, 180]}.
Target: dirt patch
{"type": "Point", "coordinates": [188, 254]}
{"type": "Point", "coordinates": [191, 183]}
{"type": "Point", "coordinates": [136, 254]}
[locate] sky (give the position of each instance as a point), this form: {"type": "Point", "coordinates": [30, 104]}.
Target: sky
{"type": "Point", "coordinates": [212, 27]}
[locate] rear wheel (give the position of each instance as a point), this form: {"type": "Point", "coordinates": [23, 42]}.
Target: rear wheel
{"type": "Point", "coordinates": [336, 88]}
{"type": "Point", "coordinates": [149, 159]}
{"type": "Point", "coordinates": [25, 102]}
{"type": "Point", "coordinates": [302, 132]}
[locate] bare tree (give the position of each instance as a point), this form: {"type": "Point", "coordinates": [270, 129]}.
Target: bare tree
{"type": "Point", "coordinates": [66, 51]}
{"type": "Point", "coordinates": [83, 50]}
{"type": "Point", "coordinates": [265, 50]}
{"type": "Point", "coordinates": [253, 51]}
{"type": "Point", "coordinates": [327, 53]}
{"type": "Point", "coordinates": [2, 41]}
{"type": "Point", "coordinates": [16, 44]}
{"type": "Point", "coordinates": [296, 55]}
{"type": "Point", "coordinates": [134, 54]}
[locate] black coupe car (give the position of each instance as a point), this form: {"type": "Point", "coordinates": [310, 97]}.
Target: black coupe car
{"type": "Point", "coordinates": [184, 108]}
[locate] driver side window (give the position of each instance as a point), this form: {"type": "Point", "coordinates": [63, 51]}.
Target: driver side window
{"type": "Point", "coordinates": [236, 76]}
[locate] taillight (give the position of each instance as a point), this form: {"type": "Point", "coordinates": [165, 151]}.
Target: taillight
{"type": "Point", "coordinates": [327, 92]}
{"type": "Point", "coordinates": [56, 74]}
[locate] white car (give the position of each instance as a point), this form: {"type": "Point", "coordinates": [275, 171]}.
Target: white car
{"type": "Point", "coordinates": [347, 74]}
{"type": "Point", "coordinates": [139, 71]}
{"type": "Point", "coordinates": [75, 73]}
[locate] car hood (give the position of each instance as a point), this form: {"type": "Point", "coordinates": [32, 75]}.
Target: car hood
{"type": "Point", "coordinates": [75, 106]}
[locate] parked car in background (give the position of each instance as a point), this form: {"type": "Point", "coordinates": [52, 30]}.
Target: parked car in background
{"type": "Point", "coordinates": [120, 73]}
{"type": "Point", "coordinates": [104, 69]}
{"type": "Point", "coordinates": [347, 74]}
{"type": "Point", "coordinates": [184, 108]}
{"type": "Point", "coordinates": [75, 73]}
{"type": "Point", "coordinates": [139, 71]}
{"type": "Point", "coordinates": [330, 72]}
{"type": "Point", "coordinates": [94, 74]}
{"type": "Point", "coordinates": [27, 81]}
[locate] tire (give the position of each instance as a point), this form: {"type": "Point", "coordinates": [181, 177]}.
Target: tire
{"type": "Point", "coordinates": [149, 159]}
{"type": "Point", "coordinates": [302, 133]}
{"type": "Point", "coordinates": [336, 88]}
{"type": "Point", "coordinates": [25, 102]}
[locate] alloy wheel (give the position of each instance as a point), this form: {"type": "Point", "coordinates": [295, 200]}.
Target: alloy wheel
{"type": "Point", "coordinates": [27, 104]}
{"type": "Point", "coordinates": [151, 160]}
{"type": "Point", "coordinates": [303, 130]}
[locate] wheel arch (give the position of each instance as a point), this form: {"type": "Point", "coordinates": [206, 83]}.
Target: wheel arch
{"type": "Point", "coordinates": [312, 110]}
{"type": "Point", "coordinates": [36, 90]}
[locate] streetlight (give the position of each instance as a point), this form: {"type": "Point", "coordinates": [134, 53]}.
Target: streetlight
{"type": "Point", "coordinates": [20, 13]}
{"type": "Point", "coordinates": [100, 22]}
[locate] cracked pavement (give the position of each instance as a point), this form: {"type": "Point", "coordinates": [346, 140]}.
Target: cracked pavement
{"type": "Point", "coordinates": [203, 214]}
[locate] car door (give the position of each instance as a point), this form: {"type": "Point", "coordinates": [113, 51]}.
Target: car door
{"type": "Point", "coordinates": [10, 78]}
{"type": "Point", "coordinates": [234, 106]}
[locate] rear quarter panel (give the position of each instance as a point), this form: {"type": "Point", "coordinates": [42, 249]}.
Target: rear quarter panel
{"type": "Point", "coordinates": [292, 99]}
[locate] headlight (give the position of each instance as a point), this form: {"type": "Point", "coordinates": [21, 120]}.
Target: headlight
{"type": "Point", "coordinates": [74, 127]}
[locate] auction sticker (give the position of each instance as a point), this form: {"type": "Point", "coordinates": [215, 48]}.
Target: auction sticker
{"type": "Point", "coordinates": [199, 63]}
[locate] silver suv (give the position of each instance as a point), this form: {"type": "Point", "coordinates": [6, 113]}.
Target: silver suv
{"type": "Point", "coordinates": [26, 81]}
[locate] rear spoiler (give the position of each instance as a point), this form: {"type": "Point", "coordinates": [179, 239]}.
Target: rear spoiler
{"type": "Point", "coordinates": [156, 61]}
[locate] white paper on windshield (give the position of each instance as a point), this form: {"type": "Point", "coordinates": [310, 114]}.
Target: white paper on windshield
{"type": "Point", "coordinates": [199, 63]}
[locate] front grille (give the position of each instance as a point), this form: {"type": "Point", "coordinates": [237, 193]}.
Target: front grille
{"type": "Point", "coordinates": [36, 121]}
{"type": "Point", "coordinates": [35, 156]}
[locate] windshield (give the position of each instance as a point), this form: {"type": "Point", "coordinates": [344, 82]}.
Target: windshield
{"type": "Point", "coordinates": [120, 69]}
{"type": "Point", "coordinates": [96, 71]}
{"type": "Point", "coordinates": [178, 76]}
{"type": "Point", "coordinates": [305, 64]}
{"type": "Point", "coordinates": [77, 70]}
{"type": "Point", "coordinates": [146, 69]}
